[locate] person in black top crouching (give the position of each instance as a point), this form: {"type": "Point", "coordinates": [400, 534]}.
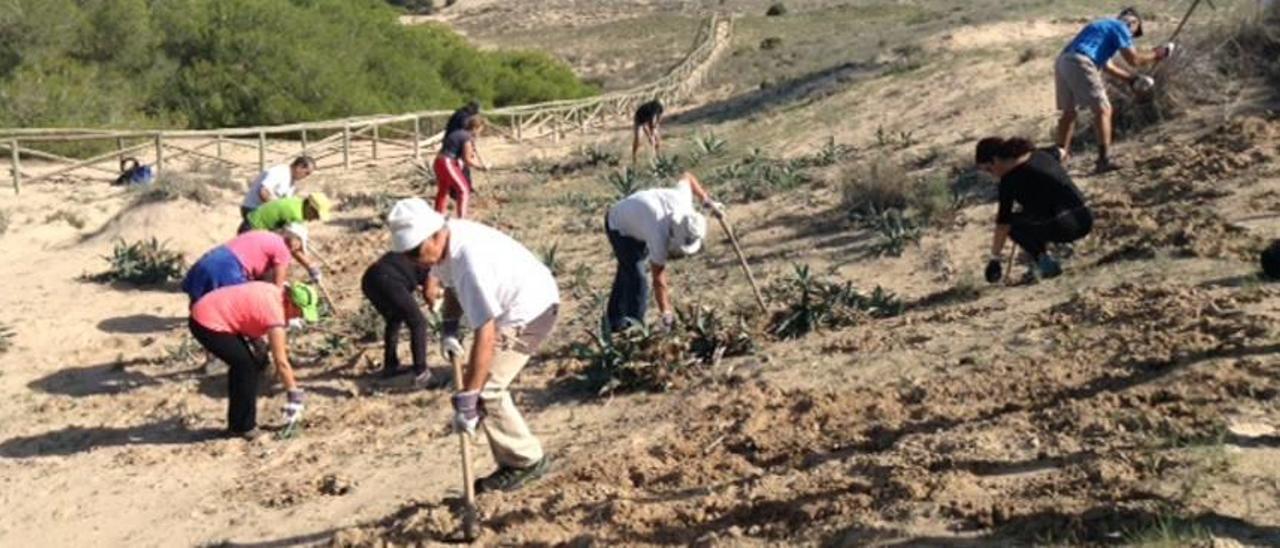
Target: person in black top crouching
{"type": "Point", "coordinates": [1051, 207]}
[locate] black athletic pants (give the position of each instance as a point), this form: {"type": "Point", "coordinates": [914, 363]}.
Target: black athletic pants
{"type": "Point", "coordinates": [398, 307]}
{"type": "Point", "coordinates": [1033, 234]}
{"type": "Point", "coordinates": [242, 375]}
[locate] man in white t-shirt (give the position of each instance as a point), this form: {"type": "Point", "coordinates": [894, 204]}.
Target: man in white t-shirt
{"type": "Point", "coordinates": [276, 182]}
{"type": "Point", "coordinates": [651, 227]}
{"type": "Point", "coordinates": [510, 300]}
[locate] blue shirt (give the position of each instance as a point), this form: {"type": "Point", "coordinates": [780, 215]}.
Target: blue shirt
{"type": "Point", "coordinates": [1100, 40]}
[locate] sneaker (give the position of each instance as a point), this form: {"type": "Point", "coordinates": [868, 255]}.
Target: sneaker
{"type": "Point", "coordinates": [391, 372]}
{"type": "Point", "coordinates": [510, 479]}
{"type": "Point", "coordinates": [1048, 267]}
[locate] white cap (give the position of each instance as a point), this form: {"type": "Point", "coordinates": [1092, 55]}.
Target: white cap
{"type": "Point", "coordinates": [299, 231]}
{"type": "Point", "coordinates": [412, 221]}
{"type": "Point", "coordinates": [687, 233]}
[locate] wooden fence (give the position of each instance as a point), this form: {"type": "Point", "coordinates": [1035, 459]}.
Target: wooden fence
{"type": "Point", "coordinates": [400, 137]}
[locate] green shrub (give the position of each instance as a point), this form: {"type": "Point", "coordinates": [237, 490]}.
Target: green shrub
{"type": "Point", "coordinates": [142, 263]}
{"type": "Point", "coordinates": [776, 9]}
{"type": "Point", "coordinates": [626, 182]}
{"type": "Point", "coordinates": [667, 166]}
{"type": "Point", "coordinates": [219, 63]}
{"type": "Point", "coordinates": [73, 219]}
{"type": "Point", "coordinates": [771, 43]}
{"type": "Point", "coordinates": [641, 359]}
{"type": "Point", "coordinates": [814, 304]}
{"type": "Point", "coordinates": [366, 325]}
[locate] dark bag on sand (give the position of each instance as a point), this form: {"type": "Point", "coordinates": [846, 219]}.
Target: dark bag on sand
{"type": "Point", "coordinates": [133, 172]}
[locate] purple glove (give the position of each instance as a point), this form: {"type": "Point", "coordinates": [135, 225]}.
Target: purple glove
{"type": "Point", "coordinates": [466, 411]}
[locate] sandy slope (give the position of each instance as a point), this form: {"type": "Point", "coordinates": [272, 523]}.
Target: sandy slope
{"type": "Point", "coordinates": [1086, 404]}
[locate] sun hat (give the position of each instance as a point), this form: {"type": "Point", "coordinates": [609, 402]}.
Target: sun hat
{"type": "Point", "coordinates": [306, 299]}
{"type": "Point", "coordinates": [687, 233]}
{"type": "Point", "coordinates": [321, 204]}
{"type": "Point", "coordinates": [299, 231]}
{"type": "Point", "coordinates": [412, 221]}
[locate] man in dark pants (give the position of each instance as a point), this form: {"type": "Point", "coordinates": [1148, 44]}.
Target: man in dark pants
{"type": "Point", "coordinates": [1052, 208]}
{"type": "Point", "coordinates": [390, 284]}
{"type": "Point", "coordinates": [650, 227]}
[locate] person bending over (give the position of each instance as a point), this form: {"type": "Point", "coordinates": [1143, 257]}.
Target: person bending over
{"type": "Point", "coordinates": [646, 229]}
{"type": "Point", "coordinates": [389, 284]}
{"type": "Point", "coordinates": [1078, 76]}
{"type": "Point", "coordinates": [648, 120]}
{"type": "Point", "coordinates": [457, 156]}
{"type": "Point", "coordinates": [227, 319]}
{"type": "Point", "coordinates": [1052, 208]}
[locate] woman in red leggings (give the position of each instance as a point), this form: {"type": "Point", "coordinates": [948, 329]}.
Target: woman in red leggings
{"type": "Point", "coordinates": [457, 156]}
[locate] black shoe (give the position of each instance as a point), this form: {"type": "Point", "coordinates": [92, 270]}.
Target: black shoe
{"type": "Point", "coordinates": [510, 479]}
{"type": "Point", "coordinates": [1106, 165]}
{"type": "Point", "coordinates": [391, 372]}
{"type": "Point", "coordinates": [253, 434]}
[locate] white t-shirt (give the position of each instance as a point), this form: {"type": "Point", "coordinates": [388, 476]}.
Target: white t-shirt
{"type": "Point", "coordinates": [494, 276]}
{"type": "Point", "coordinates": [648, 216]}
{"type": "Point", "coordinates": [277, 179]}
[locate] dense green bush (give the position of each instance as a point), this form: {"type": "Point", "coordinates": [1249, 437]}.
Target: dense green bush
{"type": "Point", "coordinates": [218, 63]}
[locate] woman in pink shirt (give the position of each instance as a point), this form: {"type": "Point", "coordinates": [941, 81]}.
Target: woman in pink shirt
{"type": "Point", "coordinates": [249, 256]}
{"type": "Point", "coordinates": [226, 319]}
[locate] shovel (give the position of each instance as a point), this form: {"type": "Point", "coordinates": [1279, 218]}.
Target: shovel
{"type": "Point", "coordinates": [742, 260]}
{"type": "Point", "coordinates": [469, 527]}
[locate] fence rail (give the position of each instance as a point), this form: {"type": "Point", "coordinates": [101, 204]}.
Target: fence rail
{"type": "Point", "coordinates": [409, 133]}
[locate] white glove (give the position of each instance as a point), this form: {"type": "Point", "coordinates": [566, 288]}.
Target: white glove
{"type": "Point", "coordinates": [450, 347]}
{"type": "Point", "coordinates": [716, 208]}
{"type": "Point", "coordinates": [293, 406]}
{"type": "Point", "coordinates": [297, 324]}
{"type": "Point", "coordinates": [314, 273]}
{"type": "Point", "coordinates": [1165, 51]}
{"type": "Point", "coordinates": [668, 322]}
{"type": "Point", "coordinates": [1143, 83]}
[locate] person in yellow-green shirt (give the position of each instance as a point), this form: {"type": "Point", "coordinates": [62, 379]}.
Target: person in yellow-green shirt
{"type": "Point", "coordinates": [288, 216]}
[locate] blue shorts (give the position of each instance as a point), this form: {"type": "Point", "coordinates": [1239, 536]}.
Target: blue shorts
{"type": "Point", "coordinates": [217, 268]}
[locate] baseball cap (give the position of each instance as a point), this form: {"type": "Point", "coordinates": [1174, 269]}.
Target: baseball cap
{"type": "Point", "coordinates": [411, 222]}
{"type": "Point", "coordinates": [306, 299]}
{"type": "Point", "coordinates": [321, 204]}
{"type": "Point", "coordinates": [1131, 11]}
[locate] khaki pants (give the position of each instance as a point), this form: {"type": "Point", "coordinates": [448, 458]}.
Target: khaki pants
{"type": "Point", "coordinates": [1079, 83]}
{"type": "Point", "coordinates": [512, 443]}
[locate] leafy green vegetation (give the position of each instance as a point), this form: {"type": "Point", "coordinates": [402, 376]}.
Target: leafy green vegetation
{"type": "Point", "coordinates": [814, 303]}
{"type": "Point", "coordinates": [649, 360]}
{"type": "Point", "coordinates": [144, 262]}
{"type": "Point", "coordinates": [219, 63]}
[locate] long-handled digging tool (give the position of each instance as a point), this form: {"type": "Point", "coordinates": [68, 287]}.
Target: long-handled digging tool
{"type": "Point", "coordinates": [469, 525]}
{"type": "Point", "coordinates": [742, 260]}
{"type": "Point", "coordinates": [1190, 10]}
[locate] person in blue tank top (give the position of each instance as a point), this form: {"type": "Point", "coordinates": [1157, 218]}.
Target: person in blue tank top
{"type": "Point", "coordinates": [1078, 76]}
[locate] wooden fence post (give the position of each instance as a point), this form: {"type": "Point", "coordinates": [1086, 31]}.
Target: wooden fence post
{"type": "Point", "coordinates": [218, 140]}
{"type": "Point", "coordinates": [515, 121]}
{"type": "Point", "coordinates": [346, 146]}
{"type": "Point", "coordinates": [17, 166]}
{"type": "Point", "coordinates": [262, 151]}
{"type": "Point", "coordinates": [374, 142]}
{"type": "Point", "coordinates": [159, 153]}
{"type": "Point", "coordinates": [304, 142]}
{"type": "Point", "coordinates": [119, 150]}
{"type": "Point", "coordinates": [417, 138]}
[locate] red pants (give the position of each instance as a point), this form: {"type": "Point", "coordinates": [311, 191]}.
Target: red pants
{"type": "Point", "coordinates": [451, 181]}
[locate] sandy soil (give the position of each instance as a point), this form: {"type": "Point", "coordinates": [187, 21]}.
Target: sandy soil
{"type": "Point", "coordinates": [1139, 387]}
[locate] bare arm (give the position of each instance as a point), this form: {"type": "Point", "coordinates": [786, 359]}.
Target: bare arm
{"type": "Point", "coordinates": [1113, 70]}
{"type": "Point", "coordinates": [280, 354]}
{"type": "Point", "coordinates": [1138, 58]}
{"type": "Point", "coordinates": [998, 238]}
{"type": "Point", "coordinates": [265, 194]}
{"type": "Point", "coordinates": [280, 275]}
{"type": "Point", "coordinates": [661, 288]}
{"type": "Point", "coordinates": [471, 158]}
{"type": "Point", "coordinates": [698, 191]}
{"type": "Point", "coordinates": [486, 338]}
